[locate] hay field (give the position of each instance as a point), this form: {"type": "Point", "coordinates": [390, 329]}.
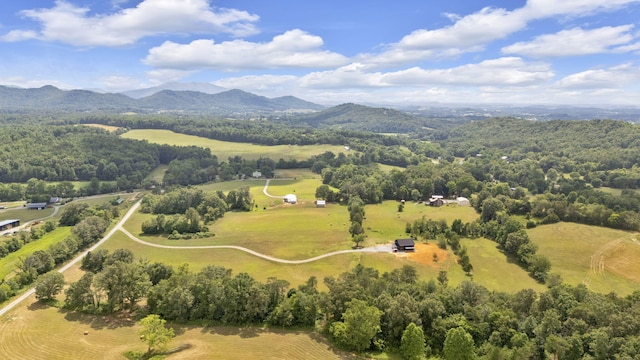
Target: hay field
{"type": "Point", "coordinates": [36, 331]}
{"type": "Point", "coordinates": [225, 149]}
{"type": "Point", "coordinates": [601, 258]}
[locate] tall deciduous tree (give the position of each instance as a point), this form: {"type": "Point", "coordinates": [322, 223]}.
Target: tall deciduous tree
{"type": "Point", "coordinates": [412, 345]}
{"type": "Point", "coordinates": [361, 324]}
{"type": "Point", "coordinates": [458, 345]}
{"type": "Point", "coordinates": [49, 285]}
{"type": "Point", "coordinates": [154, 333]}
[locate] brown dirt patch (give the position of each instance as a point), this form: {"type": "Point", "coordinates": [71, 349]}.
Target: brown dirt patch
{"type": "Point", "coordinates": [424, 254]}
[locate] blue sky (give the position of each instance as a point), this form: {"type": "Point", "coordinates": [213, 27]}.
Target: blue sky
{"type": "Point", "coordinates": [583, 52]}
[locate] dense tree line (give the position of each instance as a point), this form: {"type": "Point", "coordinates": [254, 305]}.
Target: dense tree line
{"type": "Point", "coordinates": [363, 310]}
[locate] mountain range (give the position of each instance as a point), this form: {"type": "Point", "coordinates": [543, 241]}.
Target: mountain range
{"type": "Point", "coordinates": [50, 98]}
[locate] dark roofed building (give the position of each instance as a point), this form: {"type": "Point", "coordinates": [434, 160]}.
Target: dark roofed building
{"type": "Point", "coordinates": [404, 245]}
{"type": "Point", "coordinates": [36, 206]}
{"type": "Point", "coordinates": [8, 224]}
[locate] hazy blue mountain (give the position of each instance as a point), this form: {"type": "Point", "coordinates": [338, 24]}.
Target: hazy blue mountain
{"type": "Point", "coordinates": [202, 87]}
{"type": "Point", "coordinates": [223, 103]}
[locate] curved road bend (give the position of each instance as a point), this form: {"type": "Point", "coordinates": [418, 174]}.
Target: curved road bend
{"type": "Point", "coordinates": [264, 190]}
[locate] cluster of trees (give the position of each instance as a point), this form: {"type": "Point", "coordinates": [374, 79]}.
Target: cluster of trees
{"type": "Point", "coordinates": [189, 208]}
{"type": "Point", "coordinates": [364, 310]}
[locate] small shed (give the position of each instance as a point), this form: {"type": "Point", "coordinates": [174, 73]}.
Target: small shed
{"type": "Point", "coordinates": [321, 203]}
{"type": "Point", "coordinates": [36, 206]}
{"type": "Point", "coordinates": [463, 201]}
{"type": "Point", "coordinates": [256, 174]}
{"type": "Point", "coordinates": [9, 224]}
{"type": "Point", "coordinates": [55, 200]}
{"type": "Point", "coordinates": [404, 245]}
{"type": "Point", "coordinates": [290, 199]}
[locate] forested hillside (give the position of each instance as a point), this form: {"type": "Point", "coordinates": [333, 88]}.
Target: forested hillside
{"type": "Point", "coordinates": [70, 153]}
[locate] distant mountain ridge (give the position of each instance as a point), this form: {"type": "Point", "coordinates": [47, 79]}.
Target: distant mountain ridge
{"type": "Point", "coordinates": [175, 86]}
{"type": "Point", "coordinates": [223, 103]}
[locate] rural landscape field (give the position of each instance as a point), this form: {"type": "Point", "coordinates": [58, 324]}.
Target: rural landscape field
{"type": "Point", "coordinates": [414, 180]}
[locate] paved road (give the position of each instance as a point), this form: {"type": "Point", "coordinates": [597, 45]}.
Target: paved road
{"type": "Point", "coordinates": [78, 258]}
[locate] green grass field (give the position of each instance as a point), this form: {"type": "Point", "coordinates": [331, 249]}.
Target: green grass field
{"type": "Point", "coordinates": [490, 267]}
{"type": "Point", "coordinates": [383, 223]}
{"type": "Point", "coordinates": [601, 258]}
{"type": "Point", "coordinates": [225, 149]}
{"type": "Point", "coordinates": [157, 174]}
{"type": "Point", "coordinates": [9, 263]}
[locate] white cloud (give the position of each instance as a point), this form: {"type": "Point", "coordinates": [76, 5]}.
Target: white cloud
{"type": "Point", "coordinates": [573, 42]}
{"type": "Point", "coordinates": [536, 9]}
{"type": "Point", "coordinates": [471, 33]}
{"type": "Point", "coordinates": [116, 83]}
{"type": "Point", "coordinates": [612, 78]}
{"type": "Point", "coordinates": [19, 35]}
{"type": "Point", "coordinates": [161, 76]}
{"type": "Point", "coordinates": [478, 28]}
{"type": "Point", "coordinates": [259, 84]}
{"type": "Point", "coordinates": [73, 25]}
{"type": "Point", "coordinates": [22, 82]}
{"type": "Point", "coordinates": [511, 71]}
{"type": "Point", "coordinates": [293, 49]}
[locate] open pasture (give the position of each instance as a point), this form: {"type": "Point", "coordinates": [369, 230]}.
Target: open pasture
{"type": "Point", "coordinates": [225, 149]}
{"type": "Point", "coordinates": [9, 263]}
{"type": "Point", "coordinates": [37, 331]}
{"type": "Point", "coordinates": [383, 223]}
{"type": "Point", "coordinates": [492, 269]}
{"type": "Point", "coordinates": [258, 268]}
{"type": "Point", "coordinates": [598, 257]}
{"type": "Point", "coordinates": [157, 174]}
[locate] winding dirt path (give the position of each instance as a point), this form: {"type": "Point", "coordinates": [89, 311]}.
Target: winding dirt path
{"type": "Point", "coordinates": [264, 190]}
{"type": "Point", "coordinates": [379, 248]}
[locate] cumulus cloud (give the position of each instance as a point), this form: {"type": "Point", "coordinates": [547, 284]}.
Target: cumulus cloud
{"type": "Point", "coordinates": [74, 25]}
{"type": "Point", "coordinates": [536, 9]}
{"type": "Point", "coordinates": [573, 42]}
{"type": "Point", "coordinates": [510, 71]}
{"type": "Point", "coordinates": [293, 49]}
{"type": "Point", "coordinates": [471, 33]}
{"type": "Point", "coordinates": [611, 78]}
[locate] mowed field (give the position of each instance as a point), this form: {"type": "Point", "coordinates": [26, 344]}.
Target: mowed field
{"type": "Point", "coordinates": [36, 331]}
{"type": "Point", "coordinates": [224, 149]}
{"type": "Point", "coordinates": [603, 259]}
{"type": "Point", "coordinates": [9, 263]}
